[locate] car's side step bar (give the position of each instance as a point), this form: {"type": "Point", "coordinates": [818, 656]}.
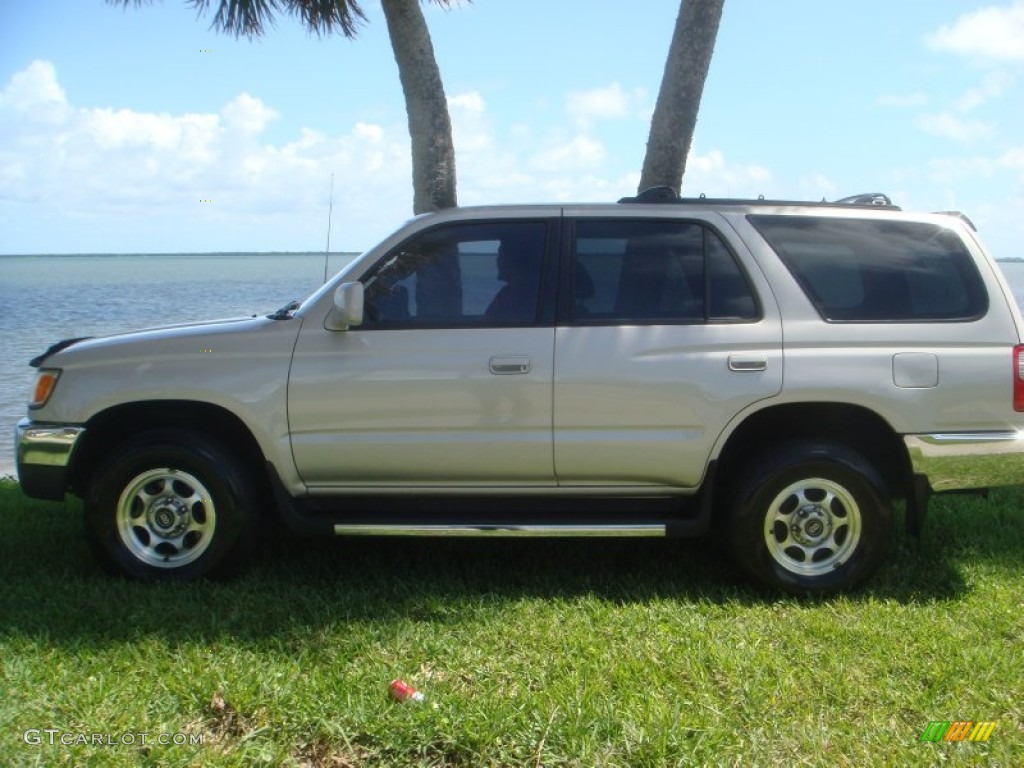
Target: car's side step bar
{"type": "Point", "coordinates": [484, 529]}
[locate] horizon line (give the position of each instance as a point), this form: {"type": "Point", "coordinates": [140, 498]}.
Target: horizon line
{"type": "Point", "coordinates": [189, 253]}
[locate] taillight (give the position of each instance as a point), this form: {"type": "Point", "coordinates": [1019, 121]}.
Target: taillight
{"type": "Point", "coordinates": [46, 380]}
{"type": "Point", "coordinates": [1018, 377]}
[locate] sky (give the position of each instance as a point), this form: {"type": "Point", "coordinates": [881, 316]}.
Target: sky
{"type": "Point", "coordinates": [141, 130]}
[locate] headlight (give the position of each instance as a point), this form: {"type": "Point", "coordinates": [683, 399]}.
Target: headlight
{"type": "Point", "coordinates": [46, 382]}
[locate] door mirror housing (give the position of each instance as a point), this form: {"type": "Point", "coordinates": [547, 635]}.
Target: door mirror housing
{"type": "Point", "coordinates": [348, 307]}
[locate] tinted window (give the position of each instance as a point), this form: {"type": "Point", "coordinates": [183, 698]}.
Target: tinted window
{"type": "Point", "coordinates": [650, 271]}
{"type": "Point", "coordinates": [865, 270]}
{"type": "Point", "coordinates": [461, 274]}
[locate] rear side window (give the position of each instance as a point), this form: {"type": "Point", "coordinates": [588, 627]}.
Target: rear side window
{"type": "Point", "coordinates": [865, 270]}
{"type": "Point", "coordinates": [656, 272]}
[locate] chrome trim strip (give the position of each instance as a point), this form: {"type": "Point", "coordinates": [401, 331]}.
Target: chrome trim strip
{"type": "Point", "coordinates": [656, 529]}
{"type": "Point", "coordinates": [46, 445]}
{"type": "Point", "coordinates": [964, 460]}
{"type": "Point", "coordinates": [966, 438]}
{"type": "Point", "coordinates": [489, 489]}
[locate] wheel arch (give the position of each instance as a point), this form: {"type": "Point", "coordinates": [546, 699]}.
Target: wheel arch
{"type": "Point", "coordinates": [113, 426]}
{"type": "Point", "coordinates": [855, 426]}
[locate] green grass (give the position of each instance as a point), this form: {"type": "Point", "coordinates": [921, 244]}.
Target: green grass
{"type": "Point", "coordinates": [584, 653]}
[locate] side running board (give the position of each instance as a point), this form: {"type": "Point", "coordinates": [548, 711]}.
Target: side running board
{"type": "Point", "coordinates": [468, 529]}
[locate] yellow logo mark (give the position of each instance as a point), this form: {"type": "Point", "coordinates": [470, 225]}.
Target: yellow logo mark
{"type": "Point", "coordinates": [982, 731]}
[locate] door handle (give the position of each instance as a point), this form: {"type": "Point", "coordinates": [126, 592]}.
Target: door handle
{"type": "Point", "coordinates": [745, 363]}
{"type": "Point", "coordinates": [505, 365]}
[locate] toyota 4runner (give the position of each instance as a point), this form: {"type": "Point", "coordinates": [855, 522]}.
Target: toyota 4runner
{"type": "Point", "coordinates": [777, 372]}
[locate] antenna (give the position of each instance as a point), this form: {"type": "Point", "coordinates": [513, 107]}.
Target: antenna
{"type": "Point", "coordinates": [330, 211]}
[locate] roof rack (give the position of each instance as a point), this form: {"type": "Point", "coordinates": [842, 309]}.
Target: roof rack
{"type": "Point", "coordinates": [866, 198]}
{"type": "Point", "coordinates": [666, 194]}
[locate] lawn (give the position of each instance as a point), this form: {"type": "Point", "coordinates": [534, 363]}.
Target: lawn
{"type": "Point", "coordinates": [584, 653]}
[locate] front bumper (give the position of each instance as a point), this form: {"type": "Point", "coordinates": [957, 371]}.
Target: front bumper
{"type": "Point", "coordinates": [43, 454]}
{"type": "Point", "coordinates": [965, 460]}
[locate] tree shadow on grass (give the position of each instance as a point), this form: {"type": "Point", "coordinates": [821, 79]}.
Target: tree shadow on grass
{"type": "Point", "coordinates": [51, 587]}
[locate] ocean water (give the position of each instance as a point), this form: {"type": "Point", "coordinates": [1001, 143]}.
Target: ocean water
{"type": "Point", "coordinates": [44, 299]}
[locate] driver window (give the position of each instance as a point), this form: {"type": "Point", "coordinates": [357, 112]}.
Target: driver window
{"type": "Point", "coordinates": [459, 275]}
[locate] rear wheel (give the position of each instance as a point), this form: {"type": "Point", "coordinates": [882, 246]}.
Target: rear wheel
{"type": "Point", "coordinates": [811, 518]}
{"type": "Point", "coordinates": [171, 505]}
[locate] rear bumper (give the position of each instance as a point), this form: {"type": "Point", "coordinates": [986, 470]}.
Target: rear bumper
{"type": "Point", "coordinates": [43, 454]}
{"type": "Point", "coordinates": [965, 460]}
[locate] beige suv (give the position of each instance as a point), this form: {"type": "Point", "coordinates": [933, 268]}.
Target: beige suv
{"type": "Point", "coordinates": [780, 370]}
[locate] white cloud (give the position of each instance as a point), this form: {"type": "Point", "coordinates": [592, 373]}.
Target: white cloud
{"type": "Point", "coordinates": [712, 175]}
{"type": "Point", "coordinates": [514, 164]}
{"type": "Point", "coordinates": [819, 186]}
{"type": "Point", "coordinates": [471, 129]}
{"type": "Point", "coordinates": [135, 178]}
{"type": "Point", "coordinates": [582, 187]}
{"type": "Point", "coordinates": [579, 153]}
{"type": "Point", "coordinates": [610, 102]}
{"type": "Point", "coordinates": [34, 85]}
{"type": "Point", "coordinates": [34, 94]}
{"type": "Point", "coordinates": [373, 133]}
{"type": "Point", "coordinates": [247, 114]}
{"type": "Point", "coordinates": [130, 168]}
{"type": "Point", "coordinates": [992, 86]}
{"type": "Point", "coordinates": [110, 129]}
{"type": "Point", "coordinates": [1013, 159]}
{"type": "Point", "coordinates": [955, 170]}
{"type": "Point", "coordinates": [951, 126]}
{"type": "Point", "coordinates": [994, 32]}
{"type": "Point", "coordinates": [955, 124]}
{"type": "Point", "coordinates": [471, 102]}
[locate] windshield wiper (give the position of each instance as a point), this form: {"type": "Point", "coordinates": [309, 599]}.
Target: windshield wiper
{"type": "Point", "coordinates": [285, 312]}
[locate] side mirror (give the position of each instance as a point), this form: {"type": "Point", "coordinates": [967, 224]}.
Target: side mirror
{"type": "Point", "coordinates": [348, 307]}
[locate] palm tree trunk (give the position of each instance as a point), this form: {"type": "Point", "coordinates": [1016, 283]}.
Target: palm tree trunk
{"type": "Point", "coordinates": [682, 84]}
{"type": "Point", "coordinates": [430, 128]}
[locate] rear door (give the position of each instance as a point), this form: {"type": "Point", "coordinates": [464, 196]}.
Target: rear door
{"type": "Point", "coordinates": [666, 331]}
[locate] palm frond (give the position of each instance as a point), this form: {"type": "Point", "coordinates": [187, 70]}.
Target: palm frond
{"type": "Point", "coordinates": [250, 18]}
{"type": "Point", "coordinates": [324, 16]}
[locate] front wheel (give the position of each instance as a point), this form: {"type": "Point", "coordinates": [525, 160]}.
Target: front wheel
{"type": "Point", "coordinates": [811, 518]}
{"type": "Point", "coordinates": [171, 505]}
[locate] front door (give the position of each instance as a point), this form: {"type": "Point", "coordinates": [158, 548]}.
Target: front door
{"type": "Point", "coordinates": [449, 379]}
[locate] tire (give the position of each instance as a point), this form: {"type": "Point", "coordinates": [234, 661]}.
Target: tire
{"type": "Point", "coordinates": [811, 518]}
{"type": "Point", "coordinates": [171, 505]}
